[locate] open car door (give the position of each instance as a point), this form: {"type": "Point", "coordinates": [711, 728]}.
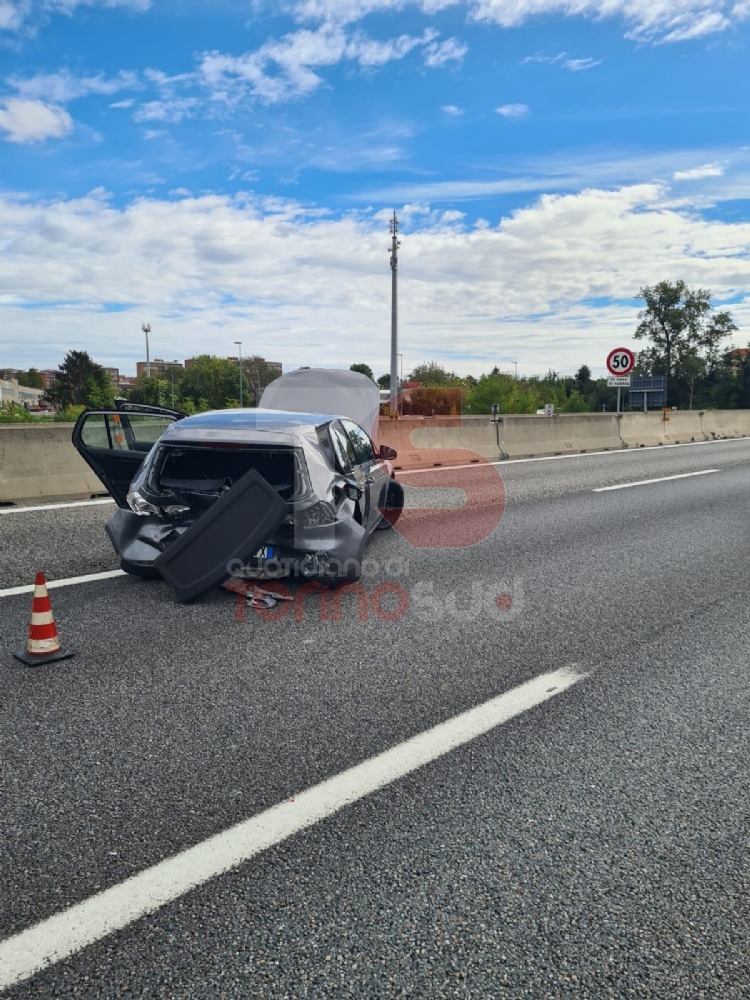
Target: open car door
{"type": "Point", "coordinates": [115, 442]}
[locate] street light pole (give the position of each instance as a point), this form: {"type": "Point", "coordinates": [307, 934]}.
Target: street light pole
{"type": "Point", "coordinates": [239, 344]}
{"type": "Point", "coordinates": [395, 244]}
{"type": "Point", "coordinates": [146, 327]}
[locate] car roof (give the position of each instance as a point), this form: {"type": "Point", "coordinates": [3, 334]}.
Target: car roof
{"type": "Point", "coordinates": [250, 419]}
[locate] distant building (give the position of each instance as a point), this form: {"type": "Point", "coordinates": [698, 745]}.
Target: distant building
{"type": "Point", "coordinates": [126, 383]}
{"type": "Point", "coordinates": [158, 367]}
{"type": "Point", "coordinates": [736, 357]}
{"type": "Point", "coordinates": [22, 395]}
{"type": "Point", "coordinates": [114, 376]}
{"type": "Point", "coordinates": [49, 375]}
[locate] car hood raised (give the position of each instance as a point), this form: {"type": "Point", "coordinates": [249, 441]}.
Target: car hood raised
{"type": "Point", "coordinates": [326, 390]}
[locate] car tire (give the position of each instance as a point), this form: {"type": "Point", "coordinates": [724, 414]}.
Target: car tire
{"type": "Point", "coordinates": [394, 505]}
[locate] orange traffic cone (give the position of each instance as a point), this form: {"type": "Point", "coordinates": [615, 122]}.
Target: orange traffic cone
{"type": "Point", "coordinates": [43, 644]}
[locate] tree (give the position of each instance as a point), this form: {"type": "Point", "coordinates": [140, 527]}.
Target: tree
{"type": "Point", "coordinates": [81, 382]}
{"type": "Point", "coordinates": [364, 370]}
{"type": "Point", "coordinates": [210, 380]}
{"type": "Point", "coordinates": [31, 379]}
{"type": "Point", "coordinates": [683, 330]}
{"type": "Point", "coordinates": [432, 374]}
{"type": "Point", "coordinates": [153, 391]}
{"type": "Point", "coordinates": [691, 367]}
{"type": "Point", "coordinates": [257, 375]}
{"type": "Point", "coordinates": [510, 395]}
{"type": "Point", "coordinates": [384, 381]}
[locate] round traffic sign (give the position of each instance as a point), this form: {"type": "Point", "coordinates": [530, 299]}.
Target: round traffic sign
{"type": "Point", "coordinates": [621, 361]}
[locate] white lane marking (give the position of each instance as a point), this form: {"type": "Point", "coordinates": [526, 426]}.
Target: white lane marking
{"type": "Point", "coordinates": [55, 506]}
{"type": "Point", "coordinates": [557, 458]}
{"type": "Point", "coordinates": [70, 581]}
{"type": "Point", "coordinates": [71, 930]}
{"type": "Point", "coordinates": [647, 482]}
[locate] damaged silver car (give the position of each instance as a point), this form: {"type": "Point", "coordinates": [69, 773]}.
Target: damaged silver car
{"type": "Point", "coordinates": [256, 493]}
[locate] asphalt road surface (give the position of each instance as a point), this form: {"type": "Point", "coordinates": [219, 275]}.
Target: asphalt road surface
{"type": "Point", "coordinates": [596, 844]}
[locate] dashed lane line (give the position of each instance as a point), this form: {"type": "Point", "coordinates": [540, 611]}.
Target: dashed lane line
{"type": "Point", "coordinates": [648, 482]}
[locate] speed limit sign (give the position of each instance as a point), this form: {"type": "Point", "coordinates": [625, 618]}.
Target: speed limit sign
{"type": "Point", "coordinates": [621, 361]}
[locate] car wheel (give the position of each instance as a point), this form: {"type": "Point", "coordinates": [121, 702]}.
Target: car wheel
{"type": "Point", "coordinates": [394, 505]}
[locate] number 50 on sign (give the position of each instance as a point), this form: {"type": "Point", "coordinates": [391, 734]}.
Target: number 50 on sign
{"type": "Point", "coordinates": [621, 361]}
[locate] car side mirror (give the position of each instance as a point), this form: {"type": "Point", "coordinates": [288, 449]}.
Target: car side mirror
{"type": "Point", "coordinates": [387, 453]}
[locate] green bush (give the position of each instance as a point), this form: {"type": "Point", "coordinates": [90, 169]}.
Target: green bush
{"type": "Point", "coordinates": [69, 414]}
{"type": "Point", "coordinates": [12, 413]}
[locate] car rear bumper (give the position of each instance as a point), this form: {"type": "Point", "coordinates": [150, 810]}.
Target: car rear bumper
{"type": "Point", "coordinates": [316, 552]}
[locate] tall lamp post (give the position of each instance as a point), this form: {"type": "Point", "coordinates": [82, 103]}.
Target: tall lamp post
{"type": "Point", "coordinates": [395, 244]}
{"type": "Point", "coordinates": [239, 344]}
{"type": "Point", "coordinates": [146, 327]}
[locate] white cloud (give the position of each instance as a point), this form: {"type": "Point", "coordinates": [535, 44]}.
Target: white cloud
{"type": "Point", "coordinates": [452, 109]}
{"type": "Point", "coordinates": [18, 14]}
{"type": "Point", "coordinates": [442, 53]}
{"type": "Point", "coordinates": [285, 69]}
{"type": "Point", "coordinates": [512, 110]}
{"type": "Point", "coordinates": [64, 86]}
{"type": "Point", "coordinates": [127, 103]}
{"type": "Point", "coordinates": [13, 15]}
{"type": "Point", "coordinates": [205, 268]}
{"type": "Point", "coordinates": [697, 173]}
{"type": "Point", "coordinates": [541, 57]}
{"type": "Point", "coordinates": [576, 65]}
{"type": "Point", "coordinates": [27, 121]}
{"type": "Point", "coordinates": [647, 20]}
{"type": "Point", "coordinates": [173, 110]}
{"type": "Point", "coordinates": [577, 171]}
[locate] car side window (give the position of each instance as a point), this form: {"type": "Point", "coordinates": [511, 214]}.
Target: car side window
{"type": "Point", "coordinates": [343, 447]}
{"type": "Point", "coordinates": [361, 443]}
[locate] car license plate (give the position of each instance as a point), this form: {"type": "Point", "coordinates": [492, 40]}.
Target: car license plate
{"type": "Point", "coordinates": [265, 552]}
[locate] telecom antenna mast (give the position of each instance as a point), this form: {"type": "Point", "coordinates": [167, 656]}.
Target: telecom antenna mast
{"type": "Point", "coordinates": [395, 244]}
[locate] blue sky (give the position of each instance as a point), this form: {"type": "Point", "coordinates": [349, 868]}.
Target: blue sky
{"type": "Point", "coordinates": [225, 170]}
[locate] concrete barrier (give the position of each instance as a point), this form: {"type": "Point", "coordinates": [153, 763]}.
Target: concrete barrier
{"type": "Point", "coordinates": [39, 462]}
{"type": "Point", "coordinates": [429, 442]}
{"type": "Point", "coordinates": [529, 436]}
{"type": "Point", "coordinates": [725, 423]}
{"type": "Point", "coordinates": [423, 442]}
{"type": "Point", "coordinates": [647, 430]}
